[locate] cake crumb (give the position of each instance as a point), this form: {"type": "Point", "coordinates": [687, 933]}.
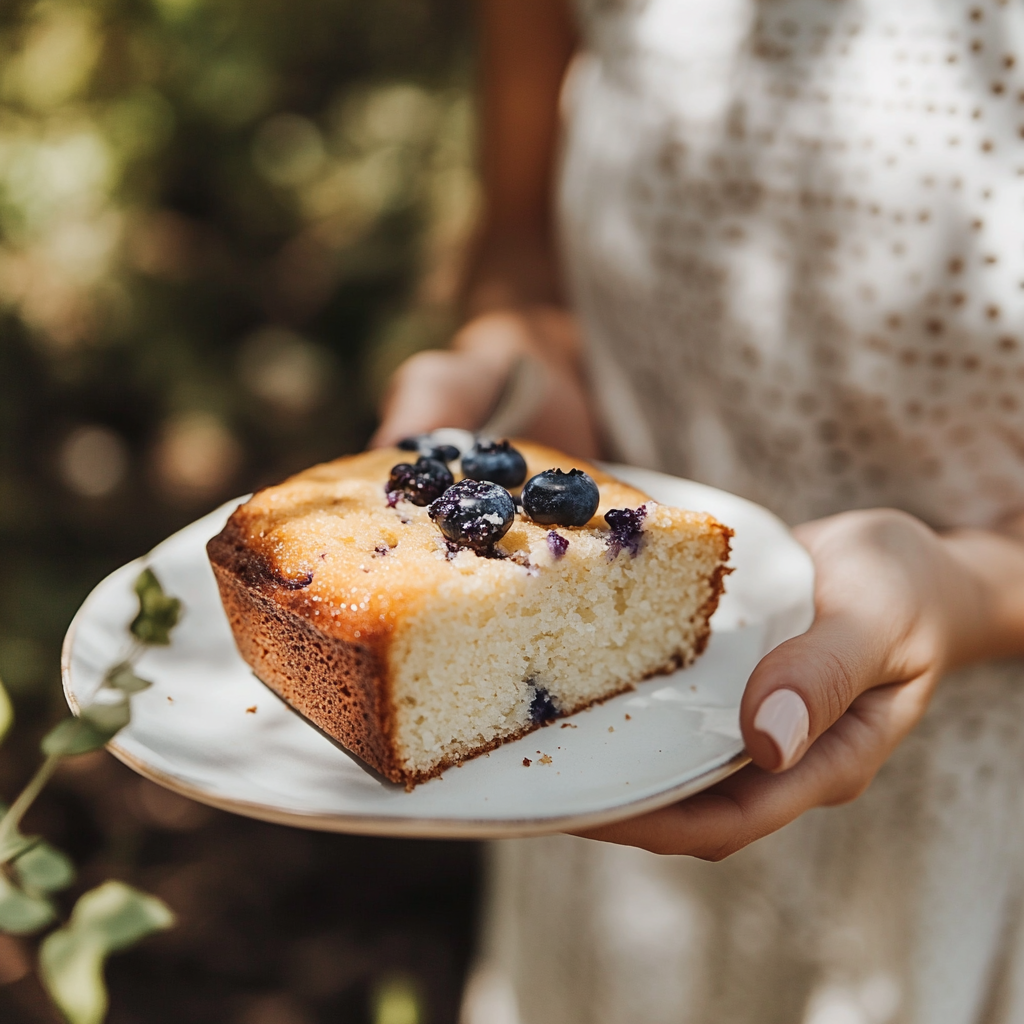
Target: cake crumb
{"type": "Point", "coordinates": [527, 762]}
{"type": "Point", "coordinates": [694, 688]}
{"type": "Point", "coordinates": [251, 711]}
{"type": "Point", "coordinates": [611, 728]}
{"type": "Point", "coordinates": [568, 725]}
{"type": "Point", "coordinates": [546, 759]}
{"type": "Point", "coordinates": [629, 718]}
{"type": "Point", "coordinates": [170, 700]}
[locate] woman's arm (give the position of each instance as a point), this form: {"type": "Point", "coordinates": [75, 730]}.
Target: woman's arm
{"type": "Point", "coordinates": [512, 292]}
{"type": "Point", "coordinates": [525, 48]}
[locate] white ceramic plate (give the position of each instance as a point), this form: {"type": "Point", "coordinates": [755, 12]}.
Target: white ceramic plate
{"type": "Point", "coordinates": [192, 731]}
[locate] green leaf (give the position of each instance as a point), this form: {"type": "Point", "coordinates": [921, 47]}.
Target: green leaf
{"type": "Point", "coordinates": [158, 613]}
{"type": "Point", "coordinates": [15, 845]}
{"type": "Point", "coordinates": [21, 914]}
{"type": "Point", "coordinates": [74, 736]}
{"type": "Point", "coordinates": [44, 868]}
{"type": "Point", "coordinates": [396, 1002]}
{"type": "Point", "coordinates": [110, 712]}
{"type": "Point", "coordinates": [106, 919]}
{"type": "Point", "coordinates": [122, 677]}
{"type": "Point", "coordinates": [6, 711]}
{"type": "Point", "coordinates": [94, 727]}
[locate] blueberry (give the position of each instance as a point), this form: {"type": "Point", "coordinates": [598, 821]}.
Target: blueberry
{"type": "Point", "coordinates": [299, 582]}
{"type": "Point", "coordinates": [420, 484]}
{"type": "Point", "coordinates": [542, 707]}
{"type": "Point", "coordinates": [445, 453]}
{"type": "Point", "coordinates": [626, 529]}
{"type": "Point", "coordinates": [424, 446]}
{"type": "Point", "coordinates": [474, 514]}
{"type": "Point", "coordinates": [554, 498]}
{"type": "Point", "coordinates": [496, 461]}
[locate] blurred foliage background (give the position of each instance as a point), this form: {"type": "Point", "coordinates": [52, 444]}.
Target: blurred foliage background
{"type": "Point", "coordinates": [222, 224]}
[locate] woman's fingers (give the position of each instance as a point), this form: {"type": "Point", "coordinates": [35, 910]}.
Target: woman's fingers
{"type": "Point", "coordinates": [457, 387]}
{"type": "Point", "coordinates": [718, 822]}
{"type": "Point", "coordinates": [803, 686]}
{"type": "Point", "coordinates": [875, 596]}
{"type": "Point", "coordinates": [754, 803]}
{"type": "Point", "coordinates": [823, 711]}
{"type": "Point", "coordinates": [438, 389]}
{"type": "Point", "coordinates": [460, 387]}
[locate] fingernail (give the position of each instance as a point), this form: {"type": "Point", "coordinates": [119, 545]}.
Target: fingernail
{"type": "Point", "coordinates": [783, 717]}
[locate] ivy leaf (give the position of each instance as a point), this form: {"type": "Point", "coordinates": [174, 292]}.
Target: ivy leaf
{"type": "Point", "coordinates": [6, 711]}
{"type": "Point", "coordinates": [74, 736]}
{"type": "Point", "coordinates": [21, 914]}
{"type": "Point", "coordinates": [122, 677]}
{"type": "Point", "coordinates": [15, 845]}
{"type": "Point", "coordinates": [105, 920]}
{"type": "Point", "coordinates": [110, 712]}
{"type": "Point", "coordinates": [158, 613]}
{"type": "Point", "coordinates": [44, 868]}
{"type": "Point", "coordinates": [396, 1002]}
{"type": "Point", "coordinates": [94, 727]}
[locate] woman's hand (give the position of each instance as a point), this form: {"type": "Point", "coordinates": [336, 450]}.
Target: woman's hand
{"type": "Point", "coordinates": [897, 605]}
{"type": "Point", "coordinates": [459, 387]}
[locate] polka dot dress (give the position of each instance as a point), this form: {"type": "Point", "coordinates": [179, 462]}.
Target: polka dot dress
{"type": "Point", "coordinates": [795, 235]}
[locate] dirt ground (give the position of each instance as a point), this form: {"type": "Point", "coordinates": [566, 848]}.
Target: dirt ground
{"type": "Point", "coordinates": [275, 925]}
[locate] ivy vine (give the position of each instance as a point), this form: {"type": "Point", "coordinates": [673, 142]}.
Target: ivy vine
{"type": "Point", "coordinates": [113, 916]}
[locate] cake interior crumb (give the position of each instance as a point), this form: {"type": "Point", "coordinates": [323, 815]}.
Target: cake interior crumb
{"type": "Point", "coordinates": [497, 651]}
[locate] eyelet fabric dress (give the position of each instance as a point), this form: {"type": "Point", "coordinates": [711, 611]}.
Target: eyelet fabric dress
{"type": "Point", "coordinates": [794, 232]}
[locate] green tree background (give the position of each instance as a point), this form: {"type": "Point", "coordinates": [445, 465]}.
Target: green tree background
{"type": "Point", "coordinates": [222, 224]}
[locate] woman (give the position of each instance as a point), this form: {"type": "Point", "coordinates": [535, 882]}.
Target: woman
{"type": "Point", "coordinates": [791, 234]}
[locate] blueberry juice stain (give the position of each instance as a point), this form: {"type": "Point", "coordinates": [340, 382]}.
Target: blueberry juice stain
{"type": "Point", "coordinates": [626, 530]}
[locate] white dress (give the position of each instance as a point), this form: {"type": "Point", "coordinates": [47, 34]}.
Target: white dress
{"type": "Point", "coordinates": [795, 235]}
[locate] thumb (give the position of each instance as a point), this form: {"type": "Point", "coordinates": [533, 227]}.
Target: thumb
{"type": "Point", "coordinates": [801, 688]}
{"type": "Point", "coordinates": [438, 389]}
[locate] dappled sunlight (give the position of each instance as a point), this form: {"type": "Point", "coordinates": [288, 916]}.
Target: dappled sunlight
{"type": "Point", "coordinates": [222, 224]}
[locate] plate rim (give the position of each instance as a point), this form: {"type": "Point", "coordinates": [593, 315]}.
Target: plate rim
{"type": "Point", "coordinates": [435, 828]}
{"type": "Point", "coordinates": [400, 826]}
{"type": "Point", "coordinates": [387, 825]}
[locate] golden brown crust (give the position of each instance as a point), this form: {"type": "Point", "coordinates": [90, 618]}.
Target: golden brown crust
{"type": "Point", "coordinates": [717, 583]}
{"type": "Point", "coordinates": [329, 660]}
{"type": "Point", "coordinates": [282, 534]}
{"type": "Point", "coordinates": [338, 686]}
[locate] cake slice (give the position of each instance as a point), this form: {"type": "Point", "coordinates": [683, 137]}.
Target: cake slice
{"type": "Point", "coordinates": [417, 653]}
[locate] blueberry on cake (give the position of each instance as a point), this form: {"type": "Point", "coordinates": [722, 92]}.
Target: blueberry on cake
{"type": "Point", "coordinates": [425, 604]}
